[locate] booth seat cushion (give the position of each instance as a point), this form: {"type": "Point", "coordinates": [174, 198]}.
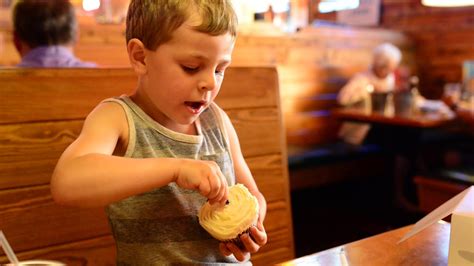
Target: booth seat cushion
{"type": "Point", "coordinates": [329, 153]}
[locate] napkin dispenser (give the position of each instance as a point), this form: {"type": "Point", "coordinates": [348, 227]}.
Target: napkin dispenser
{"type": "Point", "coordinates": [461, 240]}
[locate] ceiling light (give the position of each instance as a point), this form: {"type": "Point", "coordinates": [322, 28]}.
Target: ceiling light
{"type": "Point", "coordinates": [90, 5]}
{"type": "Point", "coordinates": [450, 3]}
{"type": "Point", "coordinates": [326, 6]}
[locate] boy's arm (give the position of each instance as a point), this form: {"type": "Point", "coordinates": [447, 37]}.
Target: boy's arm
{"type": "Point", "coordinates": [87, 174]}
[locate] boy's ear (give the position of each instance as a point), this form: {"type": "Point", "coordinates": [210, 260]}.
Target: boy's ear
{"type": "Point", "coordinates": [137, 54]}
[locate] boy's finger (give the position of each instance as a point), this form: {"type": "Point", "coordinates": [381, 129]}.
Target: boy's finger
{"type": "Point", "coordinates": [220, 198]}
{"type": "Point", "coordinates": [224, 190]}
{"type": "Point", "coordinates": [204, 187]}
{"type": "Point", "coordinates": [249, 244]}
{"type": "Point", "coordinates": [215, 185]}
{"type": "Point", "coordinates": [217, 200]}
{"type": "Point", "coordinates": [238, 254]}
{"type": "Point", "coordinates": [260, 237]}
{"type": "Point", "coordinates": [224, 180]}
{"type": "Point", "coordinates": [224, 250]}
{"type": "Point", "coordinates": [221, 195]}
{"type": "Point", "coordinates": [260, 226]}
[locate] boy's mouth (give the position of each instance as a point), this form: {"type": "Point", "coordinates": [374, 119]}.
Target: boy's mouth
{"type": "Point", "coordinates": [195, 107]}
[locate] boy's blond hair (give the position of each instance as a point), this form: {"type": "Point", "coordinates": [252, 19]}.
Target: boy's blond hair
{"type": "Point", "coordinates": [154, 21]}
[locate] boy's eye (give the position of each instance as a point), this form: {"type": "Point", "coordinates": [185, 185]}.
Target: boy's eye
{"type": "Point", "coordinates": [189, 69]}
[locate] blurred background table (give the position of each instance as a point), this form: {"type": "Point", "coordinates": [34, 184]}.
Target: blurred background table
{"type": "Point", "coordinates": [419, 120]}
{"type": "Point", "coordinates": [429, 247]}
{"type": "Point", "coordinates": [404, 137]}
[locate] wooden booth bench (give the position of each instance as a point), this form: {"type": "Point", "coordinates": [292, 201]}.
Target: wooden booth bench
{"type": "Point", "coordinates": [42, 111]}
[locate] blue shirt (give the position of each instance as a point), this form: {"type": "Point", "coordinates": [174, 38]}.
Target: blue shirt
{"type": "Point", "coordinates": [52, 56]}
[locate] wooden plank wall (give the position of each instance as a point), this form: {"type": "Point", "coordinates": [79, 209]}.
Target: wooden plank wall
{"type": "Point", "coordinates": [444, 38]}
{"type": "Point", "coordinates": [313, 66]}
{"type": "Point", "coordinates": [42, 112]}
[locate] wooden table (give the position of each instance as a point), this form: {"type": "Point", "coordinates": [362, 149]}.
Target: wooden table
{"type": "Point", "coordinates": [420, 120]}
{"type": "Point", "coordinates": [402, 135]}
{"type": "Point", "coordinates": [429, 247]}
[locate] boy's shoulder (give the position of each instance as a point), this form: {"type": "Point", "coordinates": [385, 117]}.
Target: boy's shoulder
{"type": "Point", "coordinates": [108, 117]}
{"type": "Point", "coordinates": [109, 112]}
{"type": "Point", "coordinates": [110, 105]}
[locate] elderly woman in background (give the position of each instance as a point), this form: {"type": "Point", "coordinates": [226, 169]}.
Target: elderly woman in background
{"type": "Point", "coordinates": [378, 78]}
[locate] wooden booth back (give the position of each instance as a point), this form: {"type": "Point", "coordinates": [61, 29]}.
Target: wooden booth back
{"type": "Point", "coordinates": [41, 113]}
{"type": "Point", "coordinates": [313, 65]}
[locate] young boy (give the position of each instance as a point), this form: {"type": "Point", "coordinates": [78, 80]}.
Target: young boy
{"type": "Point", "coordinates": [154, 157]}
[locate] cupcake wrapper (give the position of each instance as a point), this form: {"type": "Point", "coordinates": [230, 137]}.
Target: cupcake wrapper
{"type": "Point", "coordinates": [237, 240]}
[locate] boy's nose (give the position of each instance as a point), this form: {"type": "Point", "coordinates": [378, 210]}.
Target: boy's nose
{"type": "Point", "coordinates": [207, 82]}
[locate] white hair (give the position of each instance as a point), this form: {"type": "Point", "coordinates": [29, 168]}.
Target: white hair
{"type": "Point", "coordinates": [388, 51]}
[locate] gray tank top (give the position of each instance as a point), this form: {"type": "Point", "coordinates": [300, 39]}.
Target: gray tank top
{"type": "Point", "coordinates": [161, 227]}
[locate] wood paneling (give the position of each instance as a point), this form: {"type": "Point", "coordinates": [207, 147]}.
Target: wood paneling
{"type": "Point", "coordinates": [313, 65]}
{"type": "Point", "coordinates": [249, 124]}
{"type": "Point", "coordinates": [42, 112]}
{"type": "Point", "coordinates": [433, 192]}
{"type": "Point", "coordinates": [95, 251]}
{"type": "Point", "coordinates": [443, 37]}
{"type": "Point", "coordinates": [77, 91]}
{"type": "Point", "coordinates": [29, 152]}
{"type": "Point", "coordinates": [322, 46]}
{"type": "Point", "coordinates": [31, 219]}
{"type": "Point", "coordinates": [311, 62]}
{"type": "Point", "coordinates": [312, 128]}
{"type": "Point", "coordinates": [267, 255]}
{"type": "Point", "coordinates": [53, 225]}
{"type": "Point", "coordinates": [45, 95]}
{"type": "Point", "coordinates": [429, 247]}
{"type": "Point", "coordinates": [264, 168]}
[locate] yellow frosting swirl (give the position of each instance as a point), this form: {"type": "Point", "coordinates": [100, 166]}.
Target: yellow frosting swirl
{"type": "Point", "coordinates": [227, 222]}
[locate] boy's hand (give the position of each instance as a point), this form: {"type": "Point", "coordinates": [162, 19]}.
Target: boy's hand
{"type": "Point", "coordinates": [252, 243]}
{"type": "Point", "coordinates": [204, 176]}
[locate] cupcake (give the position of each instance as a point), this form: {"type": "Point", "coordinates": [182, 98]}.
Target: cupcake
{"type": "Point", "coordinates": [226, 223]}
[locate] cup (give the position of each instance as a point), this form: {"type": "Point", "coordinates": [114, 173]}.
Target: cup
{"type": "Point", "coordinates": [403, 103]}
{"type": "Point", "coordinates": [452, 92]}
{"type": "Point", "coordinates": [14, 259]}
{"type": "Point", "coordinates": [378, 100]}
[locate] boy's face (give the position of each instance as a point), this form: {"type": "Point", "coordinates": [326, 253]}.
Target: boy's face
{"type": "Point", "coordinates": [184, 75]}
